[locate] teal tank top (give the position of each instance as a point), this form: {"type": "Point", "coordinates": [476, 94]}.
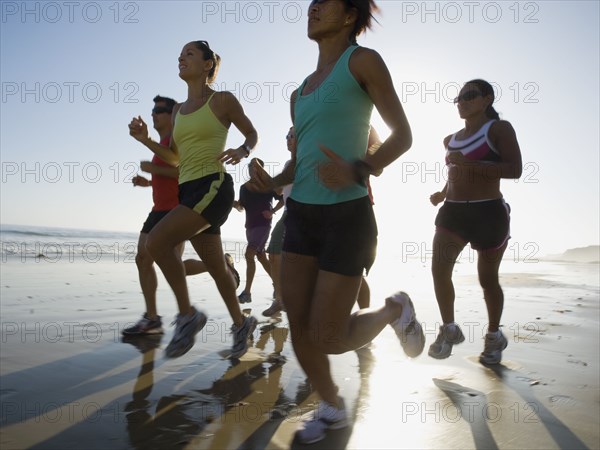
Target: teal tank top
{"type": "Point", "coordinates": [336, 114]}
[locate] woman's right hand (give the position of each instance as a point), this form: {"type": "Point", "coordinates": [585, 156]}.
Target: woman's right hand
{"type": "Point", "coordinates": [437, 198]}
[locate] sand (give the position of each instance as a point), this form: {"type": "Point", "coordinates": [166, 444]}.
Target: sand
{"type": "Point", "coordinates": [68, 381]}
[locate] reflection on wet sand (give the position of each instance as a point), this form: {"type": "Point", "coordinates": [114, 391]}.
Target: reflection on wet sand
{"type": "Point", "coordinates": [241, 409]}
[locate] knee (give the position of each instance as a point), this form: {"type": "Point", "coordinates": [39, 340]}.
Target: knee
{"type": "Point", "coordinates": [489, 283]}
{"type": "Point", "coordinates": [155, 247]}
{"type": "Point", "coordinates": [439, 273]}
{"type": "Point", "coordinates": [143, 259]}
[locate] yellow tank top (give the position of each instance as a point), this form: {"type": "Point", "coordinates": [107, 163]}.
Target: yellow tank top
{"type": "Point", "coordinates": [200, 138]}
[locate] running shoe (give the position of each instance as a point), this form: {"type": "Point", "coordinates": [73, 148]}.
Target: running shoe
{"type": "Point", "coordinates": [492, 350]}
{"type": "Point", "coordinates": [245, 297]}
{"type": "Point", "coordinates": [236, 275]}
{"type": "Point", "coordinates": [186, 328]}
{"type": "Point", "coordinates": [275, 307]}
{"type": "Point", "coordinates": [407, 328]}
{"type": "Point", "coordinates": [316, 423]}
{"type": "Point", "coordinates": [144, 326]}
{"type": "Point", "coordinates": [449, 335]}
{"type": "Point", "coordinates": [241, 336]}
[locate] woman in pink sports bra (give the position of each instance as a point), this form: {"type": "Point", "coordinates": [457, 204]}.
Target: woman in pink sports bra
{"type": "Point", "coordinates": [478, 157]}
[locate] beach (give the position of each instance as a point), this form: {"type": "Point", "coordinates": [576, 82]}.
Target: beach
{"type": "Point", "coordinates": [68, 380]}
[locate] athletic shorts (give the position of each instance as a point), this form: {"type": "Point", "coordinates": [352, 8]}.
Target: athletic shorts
{"type": "Point", "coordinates": [153, 218]}
{"type": "Point", "coordinates": [342, 236]}
{"type": "Point", "coordinates": [485, 225]}
{"type": "Point", "coordinates": [276, 242]}
{"type": "Point", "coordinates": [211, 197]}
{"type": "Point", "coordinates": [257, 237]}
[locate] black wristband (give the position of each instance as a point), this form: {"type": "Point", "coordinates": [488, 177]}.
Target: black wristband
{"type": "Point", "coordinates": [246, 148]}
{"type": "Point", "coordinates": [362, 171]}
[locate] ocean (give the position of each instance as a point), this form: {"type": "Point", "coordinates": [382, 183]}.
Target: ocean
{"type": "Point", "coordinates": [56, 245]}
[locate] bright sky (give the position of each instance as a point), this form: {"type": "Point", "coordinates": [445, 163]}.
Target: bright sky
{"type": "Point", "coordinates": [73, 74]}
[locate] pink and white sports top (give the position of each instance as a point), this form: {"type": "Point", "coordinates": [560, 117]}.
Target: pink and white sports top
{"type": "Point", "coordinates": [477, 147]}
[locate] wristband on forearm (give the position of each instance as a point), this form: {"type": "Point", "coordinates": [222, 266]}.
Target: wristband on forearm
{"type": "Point", "coordinates": [362, 171]}
{"type": "Point", "coordinates": [246, 148]}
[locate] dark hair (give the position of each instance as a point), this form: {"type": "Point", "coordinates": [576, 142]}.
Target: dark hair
{"type": "Point", "coordinates": [209, 55]}
{"type": "Point", "coordinates": [364, 16]}
{"type": "Point", "coordinates": [486, 89]}
{"type": "Point", "coordinates": [168, 101]}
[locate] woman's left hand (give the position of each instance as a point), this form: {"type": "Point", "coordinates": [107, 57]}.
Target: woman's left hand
{"type": "Point", "coordinates": [337, 173]}
{"type": "Point", "coordinates": [457, 158]}
{"type": "Point", "coordinates": [232, 156]}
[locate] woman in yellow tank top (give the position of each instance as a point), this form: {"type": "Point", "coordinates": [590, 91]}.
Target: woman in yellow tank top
{"type": "Point", "coordinates": [206, 192]}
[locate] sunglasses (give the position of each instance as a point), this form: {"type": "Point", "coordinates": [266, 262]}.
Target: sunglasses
{"type": "Point", "coordinates": [290, 136]}
{"type": "Point", "coordinates": [161, 110]}
{"type": "Point", "coordinates": [467, 96]}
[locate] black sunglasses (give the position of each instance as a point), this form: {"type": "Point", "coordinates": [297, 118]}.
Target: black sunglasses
{"type": "Point", "coordinates": [289, 136]}
{"type": "Point", "coordinates": [161, 110]}
{"type": "Point", "coordinates": [467, 96]}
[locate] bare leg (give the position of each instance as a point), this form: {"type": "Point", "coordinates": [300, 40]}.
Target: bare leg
{"type": "Point", "coordinates": [364, 294]}
{"type": "Point", "coordinates": [250, 268]}
{"type": "Point", "coordinates": [264, 261]}
{"type": "Point", "coordinates": [194, 267]}
{"type": "Point", "coordinates": [210, 249]}
{"type": "Point", "coordinates": [318, 304]}
{"type": "Point", "coordinates": [488, 265]}
{"type": "Point", "coordinates": [163, 244]}
{"type": "Point", "coordinates": [147, 276]}
{"type": "Point", "coordinates": [446, 248]}
{"type": "Point", "coordinates": [275, 260]}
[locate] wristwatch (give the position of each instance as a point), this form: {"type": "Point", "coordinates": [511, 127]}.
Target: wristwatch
{"type": "Point", "coordinates": [247, 149]}
{"type": "Point", "coordinates": [362, 170]}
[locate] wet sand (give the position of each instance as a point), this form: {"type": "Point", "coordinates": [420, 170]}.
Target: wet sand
{"type": "Point", "coordinates": [68, 380]}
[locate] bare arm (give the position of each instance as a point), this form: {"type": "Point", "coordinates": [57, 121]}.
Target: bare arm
{"type": "Point", "coordinates": [504, 138]}
{"type": "Point", "coordinates": [280, 204]}
{"type": "Point", "coordinates": [440, 196]}
{"type": "Point", "coordinates": [373, 75]}
{"type": "Point", "coordinates": [234, 113]}
{"type": "Point", "coordinates": [373, 145]}
{"type": "Point", "coordinates": [138, 129]}
{"type": "Point", "coordinates": [155, 169]}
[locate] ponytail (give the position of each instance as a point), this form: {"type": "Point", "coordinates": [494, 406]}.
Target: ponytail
{"type": "Point", "coordinates": [486, 89]}
{"type": "Point", "coordinates": [492, 113]}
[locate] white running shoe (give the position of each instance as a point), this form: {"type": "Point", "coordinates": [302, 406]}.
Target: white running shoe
{"type": "Point", "coordinates": [316, 423]}
{"type": "Point", "coordinates": [449, 335]}
{"type": "Point", "coordinates": [241, 336]}
{"type": "Point", "coordinates": [492, 350]}
{"type": "Point", "coordinates": [186, 328]}
{"type": "Point", "coordinates": [407, 328]}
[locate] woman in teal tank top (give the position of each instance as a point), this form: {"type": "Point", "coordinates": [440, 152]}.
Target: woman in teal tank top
{"type": "Point", "coordinates": [206, 193]}
{"type": "Point", "coordinates": [330, 228]}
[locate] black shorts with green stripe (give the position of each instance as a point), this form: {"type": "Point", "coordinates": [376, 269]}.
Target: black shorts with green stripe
{"type": "Point", "coordinates": [210, 196]}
